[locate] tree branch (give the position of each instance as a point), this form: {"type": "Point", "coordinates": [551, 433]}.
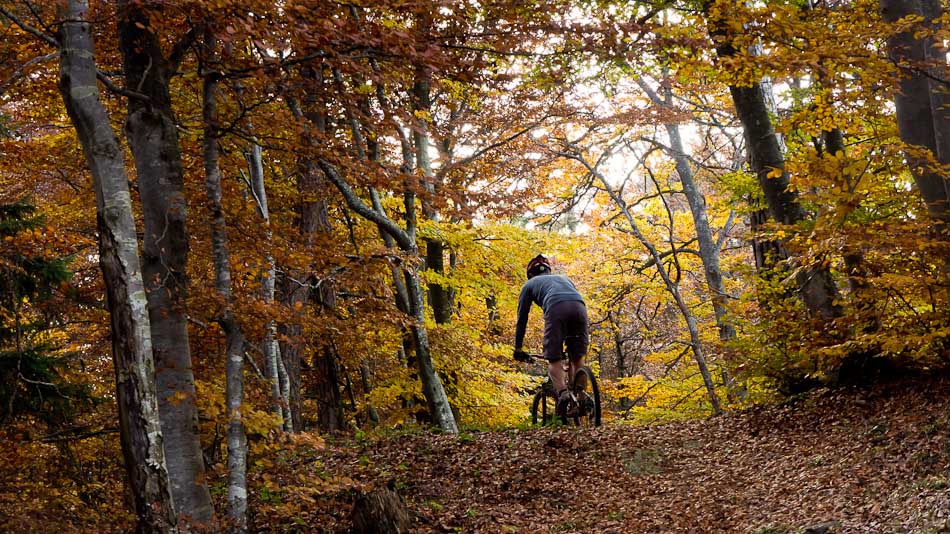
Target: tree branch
{"type": "Point", "coordinates": [59, 437]}
{"type": "Point", "coordinates": [356, 204]}
{"type": "Point", "coordinates": [36, 32]}
{"type": "Point", "coordinates": [128, 93]}
{"type": "Point", "coordinates": [21, 71]}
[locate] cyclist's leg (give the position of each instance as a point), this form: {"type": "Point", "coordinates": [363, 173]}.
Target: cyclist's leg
{"type": "Point", "coordinates": [576, 363]}
{"type": "Point", "coordinates": [554, 352]}
{"type": "Point", "coordinates": [558, 375]}
{"type": "Point", "coordinates": [577, 337]}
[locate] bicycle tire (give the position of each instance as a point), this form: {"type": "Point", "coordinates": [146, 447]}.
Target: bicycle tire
{"type": "Point", "coordinates": [587, 388]}
{"type": "Point", "coordinates": [542, 408]}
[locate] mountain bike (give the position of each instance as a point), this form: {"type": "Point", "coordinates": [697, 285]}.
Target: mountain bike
{"type": "Point", "coordinates": [584, 407]}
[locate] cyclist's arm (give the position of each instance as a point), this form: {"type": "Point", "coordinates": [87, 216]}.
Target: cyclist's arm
{"type": "Point", "coordinates": [524, 306]}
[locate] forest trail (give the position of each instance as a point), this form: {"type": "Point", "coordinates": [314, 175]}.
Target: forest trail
{"type": "Point", "coordinates": [831, 461]}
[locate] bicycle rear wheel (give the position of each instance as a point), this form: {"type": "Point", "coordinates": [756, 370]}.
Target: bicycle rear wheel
{"type": "Point", "coordinates": [585, 390]}
{"type": "Point", "coordinates": [543, 406]}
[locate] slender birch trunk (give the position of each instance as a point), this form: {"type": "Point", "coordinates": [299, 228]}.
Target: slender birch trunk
{"type": "Point", "coordinates": [290, 349]}
{"type": "Point", "coordinates": [234, 336]}
{"type": "Point", "coordinates": [139, 421]}
{"type": "Point", "coordinates": [696, 343]}
{"type": "Point", "coordinates": [695, 340]}
{"type": "Point", "coordinates": [153, 137]}
{"type": "Point", "coordinates": [406, 239]}
{"type": "Point", "coordinates": [270, 348]}
{"type": "Point", "coordinates": [708, 249]}
{"type": "Point", "coordinates": [285, 392]}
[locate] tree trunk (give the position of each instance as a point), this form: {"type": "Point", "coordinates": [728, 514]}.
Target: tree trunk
{"type": "Point", "coordinates": [440, 297]}
{"type": "Point", "coordinates": [326, 382]}
{"type": "Point", "coordinates": [708, 249]}
{"type": "Point", "coordinates": [314, 222]}
{"type": "Point", "coordinates": [325, 389]}
{"type": "Point", "coordinates": [380, 511]}
{"type": "Point", "coordinates": [853, 256]}
{"type": "Point", "coordinates": [405, 238]}
{"type": "Point", "coordinates": [921, 103]}
{"type": "Point", "coordinates": [696, 343]}
{"type": "Point", "coordinates": [139, 421]}
{"type": "Point", "coordinates": [815, 284]}
{"type": "Point", "coordinates": [401, 294]}
{"type": "Point", "coordinates": [296, 292]}
{"type": "Point", "coordinates": [269, 345]}
{"type": "Point", "coordinates": [290, 349]}
{"type": "Point", "coordinates": [817, 288]}
{"type": "Point", "coordinates": [938, 74]}
{"type": "Point", "coordinates": [153, 138]}
{"type": "Point", "coordinates": [432, 388]}
{"type": "Point", "coordinates": [621, 355]}
{"type": "Point", "coordinates": [234, 336]}
{"type": "Point", "coordinates": [285, 390]}
{"type": "Point", "coordinates": [366, 382]}
{"type": "Point", "coordinates": [494, 326]}
{"type": "Point", "coordinates": [767, 252]}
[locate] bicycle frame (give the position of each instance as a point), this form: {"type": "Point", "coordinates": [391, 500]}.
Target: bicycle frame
{"type": "Point", "coordinates": [585, 397]}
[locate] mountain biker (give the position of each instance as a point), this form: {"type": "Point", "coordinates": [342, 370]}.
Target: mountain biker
{"type": "Point", "coordinates": [565, 323]}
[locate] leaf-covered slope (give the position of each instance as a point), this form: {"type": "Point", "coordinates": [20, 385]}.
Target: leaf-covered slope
{"type": "Point", "coordinates": [874, 461]}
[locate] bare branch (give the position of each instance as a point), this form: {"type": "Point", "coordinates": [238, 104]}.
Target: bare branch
{"type": "Point", "coordinates": [36, 32]}
{"type": "Point", "coordinates": [21, 72]}
{"type": "Point", "coordinates": [77, 437]}
{"type": "Point", "coordinates": [104, 78]}
{"type": "Point", "coordinates": [355, 203]}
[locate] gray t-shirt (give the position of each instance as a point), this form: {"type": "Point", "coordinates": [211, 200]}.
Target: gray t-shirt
{"type": "Point", "coordinates": [545, 290]}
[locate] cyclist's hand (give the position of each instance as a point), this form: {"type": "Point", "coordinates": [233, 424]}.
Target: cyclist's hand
{"type": "Point", "coordinates": [522, 356]}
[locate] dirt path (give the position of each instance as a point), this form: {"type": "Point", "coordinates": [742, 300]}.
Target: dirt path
{"type": "Point", "coordinates": [855, 462]}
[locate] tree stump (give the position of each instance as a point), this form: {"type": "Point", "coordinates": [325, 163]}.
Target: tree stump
{"type": "Point", "coordinates": [380, 511]}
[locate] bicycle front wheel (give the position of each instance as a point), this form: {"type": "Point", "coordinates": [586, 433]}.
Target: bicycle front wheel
{"type": "Point", "coordinates": [585, 390]}
{"type": "Point", "coordinates": [542, 407]}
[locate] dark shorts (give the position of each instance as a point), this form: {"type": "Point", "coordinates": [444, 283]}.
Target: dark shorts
{"type": "Point", "coordinates": [565, 324]}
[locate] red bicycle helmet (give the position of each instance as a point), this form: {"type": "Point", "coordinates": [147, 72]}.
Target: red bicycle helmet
{"type": "Point", "coordinates": [539, 264]}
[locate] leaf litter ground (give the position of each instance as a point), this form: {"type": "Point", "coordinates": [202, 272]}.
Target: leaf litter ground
{"type": "Point", "coordinates": [844, 461]}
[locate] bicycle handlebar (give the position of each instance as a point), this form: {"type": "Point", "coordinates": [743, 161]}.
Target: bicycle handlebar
{"type": "Point", "coordinates": [534, 357]}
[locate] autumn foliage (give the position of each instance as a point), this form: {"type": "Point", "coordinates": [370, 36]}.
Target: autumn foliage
{"type": "Point", "coordinates": [387, 170]}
